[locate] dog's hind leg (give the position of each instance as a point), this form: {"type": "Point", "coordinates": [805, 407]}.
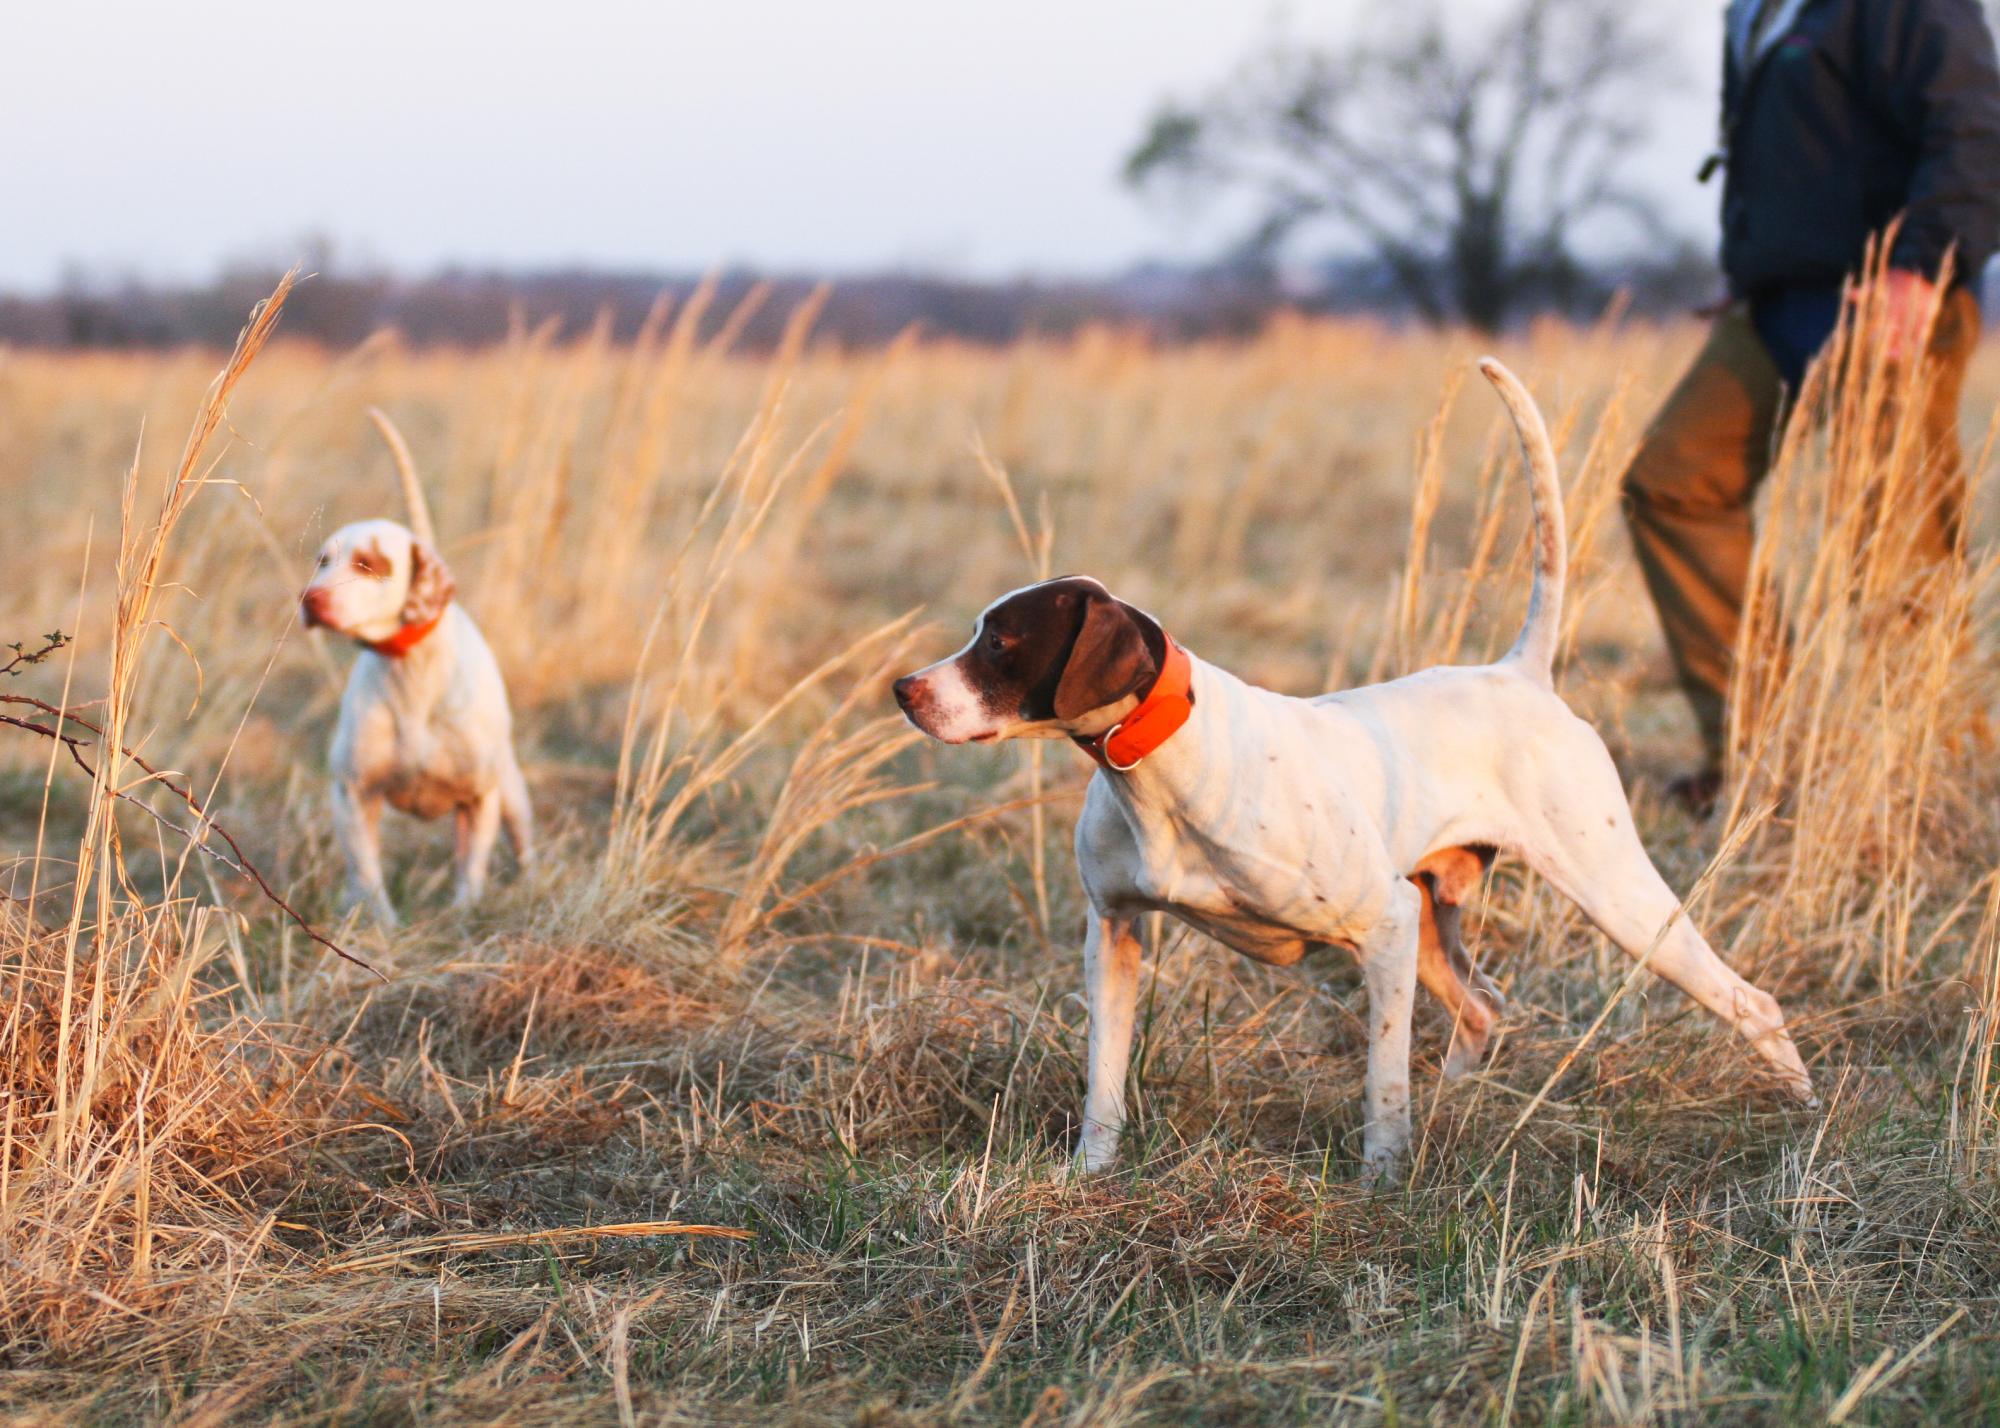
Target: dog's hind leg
{"type": "Point", "coordinates": [1587, 847]}
{"type": "Point", "coordinates": [1111, 976]}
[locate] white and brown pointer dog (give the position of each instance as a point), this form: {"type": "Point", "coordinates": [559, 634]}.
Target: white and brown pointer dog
{"type": "Point", "coordinates": [1358, 819]}
{"type": "Point", "coordinates": [424, 724]}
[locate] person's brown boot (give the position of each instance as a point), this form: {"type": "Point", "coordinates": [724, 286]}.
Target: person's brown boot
{"type": "Point", "coordinates": [1697, 792]}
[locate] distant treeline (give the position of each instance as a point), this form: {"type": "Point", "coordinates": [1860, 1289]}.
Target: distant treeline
{"type": "Point", "coordinates": [472, 308]}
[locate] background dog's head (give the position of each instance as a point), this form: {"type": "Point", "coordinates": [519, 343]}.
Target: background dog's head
{"type": "Point", "coordinates": [1062, 657]}
{"type": "Point", "coordinates": [373, 578]}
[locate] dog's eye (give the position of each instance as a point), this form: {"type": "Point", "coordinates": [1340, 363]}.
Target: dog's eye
{"type": "Point", "coordinates": [324, 560]}
{"type": "Point", "coordinates": [996, 643]}
{"type": "Point", "coordinates": [370, 566]}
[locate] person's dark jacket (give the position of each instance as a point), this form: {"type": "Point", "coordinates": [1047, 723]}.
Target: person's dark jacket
{"type": "Point", "coordinates": [1861, 111]}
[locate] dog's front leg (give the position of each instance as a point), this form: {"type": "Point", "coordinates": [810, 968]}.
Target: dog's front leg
{"type": "Point", "coordinates": [1389, 966]}
{"type": "Point", "coordinates": [1111, 975]}
{"type": "Point", "coordinates": [517, 815]}
{"type": "Point", "coordinates": [478, 831]}
{"type": "Point", "coordinates": [357, 824]}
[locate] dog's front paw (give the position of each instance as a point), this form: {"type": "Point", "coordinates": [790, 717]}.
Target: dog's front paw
{"type": "Point", "coordinates": [1383, 1163]}
{"type": "Point", "coordinates": [1096, 1151]}
{"type": "Point", "coordinates": [1381, 1172]}
{"type": "Point", "coordinates": [378, 909]}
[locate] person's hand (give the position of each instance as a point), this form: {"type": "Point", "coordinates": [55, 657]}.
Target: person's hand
{"type": "Point", "coordinates": [1909, 302]}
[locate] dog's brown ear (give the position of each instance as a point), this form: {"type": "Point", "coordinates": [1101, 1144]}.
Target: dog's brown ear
{"type": "Point", "coordinates": [431, 586]}
{"type": "Point", "coordinates": [1113, 656]}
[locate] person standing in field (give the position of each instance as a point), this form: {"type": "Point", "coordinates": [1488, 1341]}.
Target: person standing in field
{"type": "Point", "coordinates": [1842, 121]}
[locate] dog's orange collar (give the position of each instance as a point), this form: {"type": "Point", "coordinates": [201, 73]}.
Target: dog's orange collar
{"type": "Point", "coordinates": [405, 639]}
{"type": "Point", "coordinates": [1155, 719]}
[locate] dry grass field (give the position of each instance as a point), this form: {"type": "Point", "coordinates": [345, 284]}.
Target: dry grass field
{"type": "Point", "coordinates": [785, 971]}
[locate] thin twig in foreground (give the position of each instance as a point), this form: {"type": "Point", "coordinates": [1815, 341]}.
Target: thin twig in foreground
{"type": "Point", "coordinates": [242, 864]}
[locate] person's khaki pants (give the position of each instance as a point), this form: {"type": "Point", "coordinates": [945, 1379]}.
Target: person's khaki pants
{"type": "Point", "coordinates": [1690, 487]}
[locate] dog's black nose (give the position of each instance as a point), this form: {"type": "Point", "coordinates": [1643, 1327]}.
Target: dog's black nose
{"type": "Point", "coordinates": [906, 689]}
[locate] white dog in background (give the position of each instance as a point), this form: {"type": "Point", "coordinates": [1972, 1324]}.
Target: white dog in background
{"type": "Point", "coordinates": [424, 725]}
{"type": "Point", "coordinates": [1359, 819]}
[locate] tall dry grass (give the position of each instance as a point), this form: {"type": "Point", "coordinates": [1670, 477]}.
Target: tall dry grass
{"type": "Point", "coordinates": [141, 1126]}
{"type": "Point", "coordinates": [786, 973]}
{"type": "Point", "coordinates": [1866, 691]}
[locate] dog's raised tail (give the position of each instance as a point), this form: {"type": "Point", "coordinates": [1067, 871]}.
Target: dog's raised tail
{"type": "Point", "coordinates": [406, 472]}
{"type": "Point", "coordinates": [1535, 649]}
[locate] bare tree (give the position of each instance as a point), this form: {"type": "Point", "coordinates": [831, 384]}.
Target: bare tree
{"type": "Point", "coordinates": [1465, 156]}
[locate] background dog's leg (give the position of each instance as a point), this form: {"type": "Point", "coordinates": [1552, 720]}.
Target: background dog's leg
{"type": "Point", "coordinates": [1111, 977]}
{"type": "Point", "coordinates": [357, 823]}
{"type": "Point", "coordinates": [516, 813]}
{"type": "Point", "coordinates": [478, 831]}
{"type": "Point", "coordinates": [1389, 966]}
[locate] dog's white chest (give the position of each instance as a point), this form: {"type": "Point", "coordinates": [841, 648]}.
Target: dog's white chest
{"type": "Point", "coordinates": [1246, 931]}
{"type": "Point", "coordinates": [425, 759]}
{"type": "Point", "coordinates": [1269, 909]}
{"type": "Point", "coordinates": [1272, 889]}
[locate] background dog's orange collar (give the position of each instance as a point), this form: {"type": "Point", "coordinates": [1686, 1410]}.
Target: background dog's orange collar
{"type": "Point", "coordinates": [405, 639]}
{"type": "Point", "coordinates": [1155, 719]}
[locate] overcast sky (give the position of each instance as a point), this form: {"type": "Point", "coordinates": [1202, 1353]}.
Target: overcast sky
{"type": "Point", "coordinates": [161, 138]}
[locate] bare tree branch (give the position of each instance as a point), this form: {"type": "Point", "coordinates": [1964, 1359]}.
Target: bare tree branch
{"type": "Point", "coordinates": [1465, 159]}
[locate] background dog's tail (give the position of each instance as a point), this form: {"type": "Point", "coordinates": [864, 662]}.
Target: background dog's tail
{"type": "Point", "coordinates": [406, 472]}
{"type": "Point", "coordinates": [1535, 649]}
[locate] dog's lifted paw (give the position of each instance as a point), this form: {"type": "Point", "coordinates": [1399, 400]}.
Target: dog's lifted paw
{"type": "Point", "coordinates": [1469, 1048]}
{"type": "Point", "coordinates": [1463, 1059]}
